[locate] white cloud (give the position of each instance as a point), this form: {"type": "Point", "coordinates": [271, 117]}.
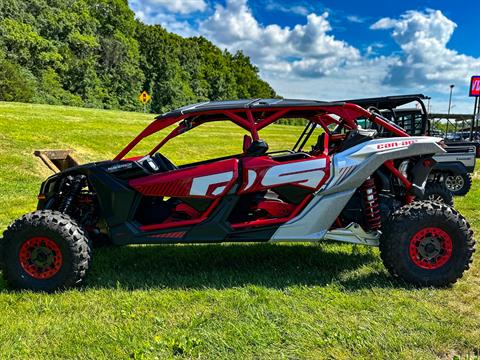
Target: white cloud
{"type": "Point", "coordinates": [371, 49]}
{"type": "Point", "coordinates": [175, 6]}
{"type": "Point", "coordinates": [359, 79]}
{"type": "Point", "coordinates": [303, 61]}
{"type": "Point", "coordinates": [295, 9]}
{"type": "Point", "coordinates": [426, 61]}
{"type": "Point", "coordinates": [169, 22]}
{"type": "Point", "coordinates": [356, 19]}
{"type": "Point", "coordinates": [232, 24]}
{"type": "Point", "coordinates": [306, 60]}
{"type": "Point", "coordinates": [168, 13]}
{"type": "Point", "coordinates": [304, 50]}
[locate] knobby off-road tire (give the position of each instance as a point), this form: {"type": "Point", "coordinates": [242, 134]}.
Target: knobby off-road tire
{"type": "Point", "coordinates": [459, 184]}
{"type": "Point", "coordinates": [437, 191]}
{"type": "Point", "coordinates": [427, 244]}
{"type": "Point", "coordinates": [45, 251]}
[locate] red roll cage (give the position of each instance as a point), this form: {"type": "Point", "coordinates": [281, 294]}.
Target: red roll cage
{"type": "Point", "coordinates": [255, 119]}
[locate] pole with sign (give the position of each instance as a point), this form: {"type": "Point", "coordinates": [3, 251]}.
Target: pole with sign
{"type": "Point", "coordinates": [475, 92]}
{"type": "Point", "coordinates": [144, 98]}
{"type": "Point", "coordinates": [474, 119]}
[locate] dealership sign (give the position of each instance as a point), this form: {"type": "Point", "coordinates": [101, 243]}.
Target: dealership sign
{"type": "Point", "coordinates": [475, 86]}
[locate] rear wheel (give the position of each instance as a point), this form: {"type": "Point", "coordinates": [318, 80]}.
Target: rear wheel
{"type": "Point", "coordinates": [45, 251]}
{"type": "Point", "coordinates": [427, 244]}
{"type": "Point", "coordinates": [436, 191]}
{"type": "Point", "coordinates": [459, 184]}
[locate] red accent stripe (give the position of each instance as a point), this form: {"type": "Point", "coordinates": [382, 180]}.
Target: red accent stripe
{"type": "Point", "coordinates": [175, 235]}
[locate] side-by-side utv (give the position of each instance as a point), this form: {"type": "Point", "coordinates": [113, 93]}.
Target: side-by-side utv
{"type": "Point", "coordinates": [352, 185]}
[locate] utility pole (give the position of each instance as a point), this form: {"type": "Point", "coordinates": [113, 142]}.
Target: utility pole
{"type": "Point", "coordinates": [449, 104]}
{"type": "Point", "coordinates": [429, 111]}
{"type": "Point", "coordinates": [477, 117]}
{"type": "Point", "coordinates": [475, 92]}
{"type": "Point", "coordinates": [474, 119]}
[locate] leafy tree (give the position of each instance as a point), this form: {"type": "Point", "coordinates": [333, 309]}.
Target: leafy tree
{"type": "Point", "coordinates": [94, 53]}
{"type": "Point", "coordinates": [52, 92]}
{"type": "Point", "coordinates": [16, 84]}
{"type": "Point", "coordinates": [246, 76]}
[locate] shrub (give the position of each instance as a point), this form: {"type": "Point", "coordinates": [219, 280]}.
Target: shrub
{"type": "Point", "coordinates": [16, 83]}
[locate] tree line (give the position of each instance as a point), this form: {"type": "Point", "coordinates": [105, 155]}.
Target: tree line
{"type": "Point", "coordinates": [94, 53]}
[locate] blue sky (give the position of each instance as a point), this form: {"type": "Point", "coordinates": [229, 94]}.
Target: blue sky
{"type": "Point", "coordinates": [340, 49]}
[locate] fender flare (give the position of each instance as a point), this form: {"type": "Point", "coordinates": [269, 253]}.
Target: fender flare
{"type": "Point", "coordinates": [455, 167]}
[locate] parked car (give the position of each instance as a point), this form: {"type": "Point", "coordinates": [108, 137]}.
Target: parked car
{"type": "Point", "coordinates": [454, 167]}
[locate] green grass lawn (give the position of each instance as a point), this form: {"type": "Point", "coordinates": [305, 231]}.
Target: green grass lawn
{"type": "Point", "coordinates": [216, 301]}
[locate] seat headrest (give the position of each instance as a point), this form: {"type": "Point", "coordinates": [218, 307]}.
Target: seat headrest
{"type": "Point", "coordinates": [257, 148]}
{"type": "Point", "coordinates": [247, 142]}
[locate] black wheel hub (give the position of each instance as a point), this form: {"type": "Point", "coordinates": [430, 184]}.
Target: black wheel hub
{"type": "Point", "coordinates": [42, 257]}
{"type": "Point", "coordinates": [429, 248]}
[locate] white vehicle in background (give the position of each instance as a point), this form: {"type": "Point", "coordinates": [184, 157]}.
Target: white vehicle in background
{"type": "Point", "coordinates": [453, 168]}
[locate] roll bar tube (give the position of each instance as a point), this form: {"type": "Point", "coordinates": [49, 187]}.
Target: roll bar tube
{"type": "Point", "coordinates": [245, 118]}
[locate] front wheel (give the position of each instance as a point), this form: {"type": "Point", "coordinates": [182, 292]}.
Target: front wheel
{"type": "Point", "coordinates": [459, 184]}
{"type": "Point", "coordinates": [427, 244]}
{"type": "Point", "coordinates": [45, 251]}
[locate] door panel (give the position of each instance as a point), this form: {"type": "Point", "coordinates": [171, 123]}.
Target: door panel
{"type": "Point", "coordinates": [263, 173]}
{"type": "Point", "coordinates": [209, 181]}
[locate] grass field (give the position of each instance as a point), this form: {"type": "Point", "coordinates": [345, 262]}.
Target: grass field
{"type": "Point", "coordinates": [216, 301]}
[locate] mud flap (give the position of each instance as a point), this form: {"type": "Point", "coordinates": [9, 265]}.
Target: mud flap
{"type": "Point", "coordinates": [420, 172]}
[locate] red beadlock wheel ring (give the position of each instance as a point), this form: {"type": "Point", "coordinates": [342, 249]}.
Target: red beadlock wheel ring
{"type": "Point", "coordinates": [40, 257]}
{"type": "Point", "coordinates": [430, 248]}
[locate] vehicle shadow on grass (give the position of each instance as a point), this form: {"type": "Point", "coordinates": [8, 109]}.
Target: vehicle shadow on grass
{"type": "Point", "coordinates": [226, 266]}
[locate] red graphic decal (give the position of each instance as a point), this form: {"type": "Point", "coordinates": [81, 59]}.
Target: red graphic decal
{"type": "Point", "coordinates": [395, 144]}
{"type": "Point", "coordinates": [207, 181]}
{"type": "Point", "coordinates": [262, 173]}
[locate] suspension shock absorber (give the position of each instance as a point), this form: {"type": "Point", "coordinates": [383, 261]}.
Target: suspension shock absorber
{"type": "Point", "coordinates": [71, 188]}
{"type": "Point", "coordinates": [370, 199]}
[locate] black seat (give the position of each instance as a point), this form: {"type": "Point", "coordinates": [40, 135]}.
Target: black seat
{"type": "Point", "coordinates": [356, 137]}
{"type": "Point", "coordinates": [320, 145]}
{"type": "Point", "coordinates": [289, 157]}
{"type": "Point", "coordinates": [257, 148]}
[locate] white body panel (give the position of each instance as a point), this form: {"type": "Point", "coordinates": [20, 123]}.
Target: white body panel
{"type": "Point", "coordinates": [350, 168]}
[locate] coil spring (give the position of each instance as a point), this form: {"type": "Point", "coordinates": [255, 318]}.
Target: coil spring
{"type": "Point", "coordinates": [370, 198]}
{"type": "Point", "coordinates": [72, 187]}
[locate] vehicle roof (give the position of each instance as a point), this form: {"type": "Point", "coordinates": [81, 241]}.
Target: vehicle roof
{"type": "Point", "coordinates": [408, 110]}
{"type": "Point", "coordinates": [387, 102]}
{"type": "Point", "coordinates": [246, 104]}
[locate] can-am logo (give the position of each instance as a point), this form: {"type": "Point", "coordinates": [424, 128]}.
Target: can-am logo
{"type": "Point", "coordinates": [475, 86]}
{"type": "Point", "coordinates": [395, 144]}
